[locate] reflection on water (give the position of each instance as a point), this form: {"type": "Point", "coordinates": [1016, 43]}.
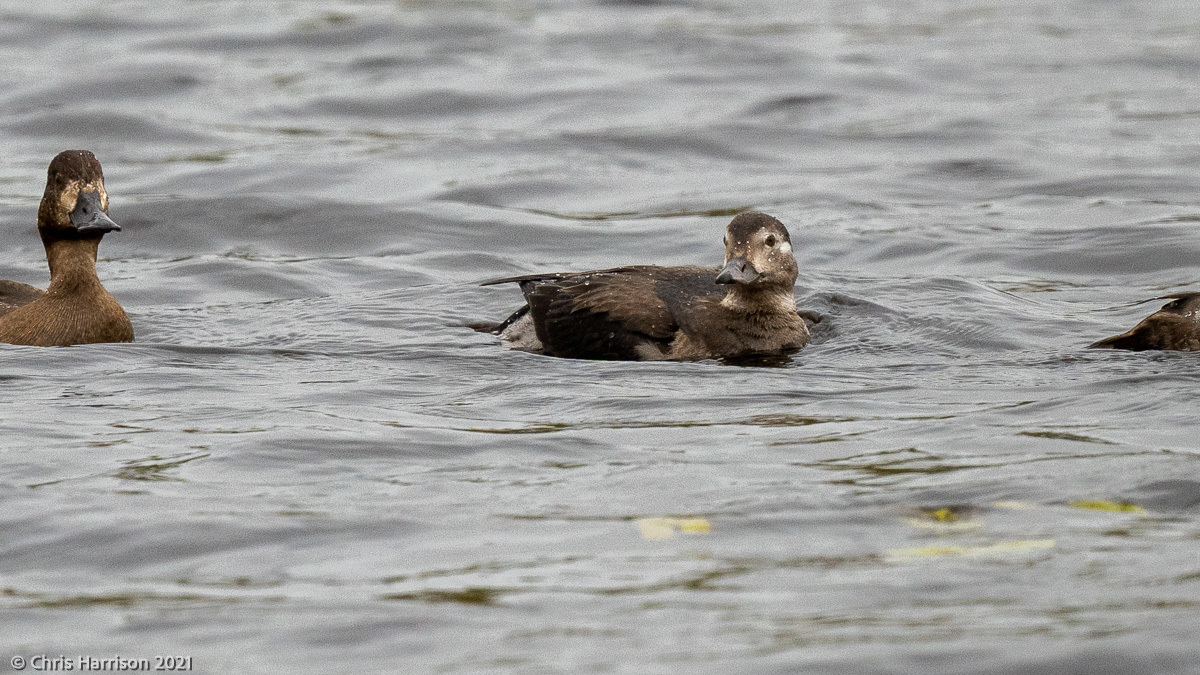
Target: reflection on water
{"type": "Point", "coordinates": [309, 458]}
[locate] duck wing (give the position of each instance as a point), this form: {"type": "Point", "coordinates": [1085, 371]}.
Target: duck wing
{"type": "Point", "coordinates": [625, 313]}
{"type": "Point", "coordinates": [13, 295]}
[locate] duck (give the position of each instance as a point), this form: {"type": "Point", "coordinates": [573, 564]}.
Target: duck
{"type": "Point", "coordinates": [75, 308]}
{"type": "Point", "coordinates": [1176, 327]}
{"type": "Point", "coordinates": [653, 313]}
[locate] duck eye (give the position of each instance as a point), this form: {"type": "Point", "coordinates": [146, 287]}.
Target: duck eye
{"type": "Point", "coordinates": [771, 240]}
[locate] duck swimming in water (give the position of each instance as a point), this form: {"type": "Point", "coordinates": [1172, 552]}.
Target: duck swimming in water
{"type": "Point", "coordinates": [75, 308]}
{"type": "Point", "coordinates": [1174, 327]}
{"type": "Point", "coordinates": [650, 313]}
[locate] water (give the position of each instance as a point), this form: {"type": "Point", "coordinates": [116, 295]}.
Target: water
{"type": "Point", "coordinates": [307, 463]}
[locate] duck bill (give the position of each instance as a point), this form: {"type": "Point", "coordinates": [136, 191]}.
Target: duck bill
{"type": "Point", "coordinates": [737, 270]}
{"type": "Point", "coordinates": [89, 218]}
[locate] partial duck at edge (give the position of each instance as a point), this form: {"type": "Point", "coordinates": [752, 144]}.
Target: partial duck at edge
{"type": "Point", "coordinates": [651, 313]}
{"type": "Point", "coordinates": [1174, 327]}
{"type": "Point", "coordinates": [75, 308]}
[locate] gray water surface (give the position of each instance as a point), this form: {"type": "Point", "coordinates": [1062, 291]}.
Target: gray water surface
{"type": "Point", "coordinates": [308, 463]}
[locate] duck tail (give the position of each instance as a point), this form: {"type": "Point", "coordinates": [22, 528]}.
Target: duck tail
{"type": "Point", "coordinates": [498, 328]}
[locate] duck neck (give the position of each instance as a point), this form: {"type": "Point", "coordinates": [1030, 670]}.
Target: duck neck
{"type": "Point", "coordinates": [72, 263]}
{"type": "Point", "coordinates": [750, 299]}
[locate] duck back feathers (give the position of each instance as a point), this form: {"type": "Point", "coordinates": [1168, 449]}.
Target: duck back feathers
{"type": "Point", "coordinates": [1174, 327]}
{"type": "Point", "coordinates": [624, 313]}
{"type": "Point", "coordinates": [14, 295]}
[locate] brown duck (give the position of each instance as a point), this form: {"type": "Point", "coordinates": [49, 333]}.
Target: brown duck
{"type": "Point", "coordinates": [1176, 327]}
{"type": "Point", "coordinates": [75, 308]}
{"type": "Point", "coordinates": [648, 313]}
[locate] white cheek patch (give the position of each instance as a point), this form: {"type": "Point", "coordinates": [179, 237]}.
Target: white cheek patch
{"type": "Point", "coordinates": [67, 198]}
{"type": "Point", "coordinates": [785, 247]}
{"type": "Point", "coordinates": [99, 187]}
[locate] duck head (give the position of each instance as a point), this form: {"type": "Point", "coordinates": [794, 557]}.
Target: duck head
{"type": "Point", "coordinates": [758, 253]}
{"type": "Point", "coordinates": [75, 204]}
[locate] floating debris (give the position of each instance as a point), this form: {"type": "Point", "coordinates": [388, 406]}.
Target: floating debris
{"type": "Point", "coordinates": [665, 528]}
